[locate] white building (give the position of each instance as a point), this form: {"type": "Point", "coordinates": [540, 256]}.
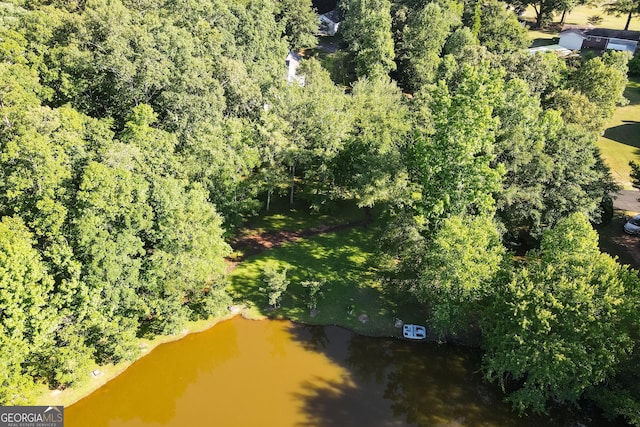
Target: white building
{"type": "Point", "coordinates": [292, 62]}
{"type": "Point", "coordinates": [599, 39]}
{"type": "Point", "coordinates": [571, 39]}
{"type": "Point", "coordinates": [329, 23]}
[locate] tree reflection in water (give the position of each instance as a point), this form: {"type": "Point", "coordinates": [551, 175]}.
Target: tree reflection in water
{"type": "Point", "coordinates": [401, 383]}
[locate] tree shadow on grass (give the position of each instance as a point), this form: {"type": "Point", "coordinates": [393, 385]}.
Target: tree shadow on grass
{"type": "Point", "coordinates": [627, 133]}
{"type": "Point", "coordinates": [345, 261]}
{"type": "Point", "coordinates": [543, 42]}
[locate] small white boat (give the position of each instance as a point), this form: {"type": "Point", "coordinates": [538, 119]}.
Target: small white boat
{"type": "Point", "coordinates": [414, 332]}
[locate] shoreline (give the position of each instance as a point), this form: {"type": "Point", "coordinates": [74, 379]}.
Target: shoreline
{"type": "Point", "coordinates": [106, 373]}
{"type": "Point", "coordinates": [72, 395]}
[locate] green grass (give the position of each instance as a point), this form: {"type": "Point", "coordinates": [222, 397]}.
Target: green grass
{"type": "Point", "coordinates": [282, 217]}
{"type": "Point", "coordinates": [621, 140]}
{"type": "Point", "coordinates": [347, 261]}
{"type": "Point", "coordinates": [581, 14]}
{"type": "Point", "coordinates": [542, 37]}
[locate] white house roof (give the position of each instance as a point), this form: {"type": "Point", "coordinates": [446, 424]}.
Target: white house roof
{"type": "Point", "coordinates": [574, 31]}
{"type": "Point", "coordinates": [556, 48]}
{"type": "Point", "coordinates": [332, 16]}
{"type": "Point", "coordinates": [601, 32]}
{"type": "Point", "coordinates": [293, 55]}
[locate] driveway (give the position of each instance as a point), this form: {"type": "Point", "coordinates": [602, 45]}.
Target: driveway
{"type": "Point", "coordinates": [627, 200]}
{"type": "Point", "coordinates": [613, 239]}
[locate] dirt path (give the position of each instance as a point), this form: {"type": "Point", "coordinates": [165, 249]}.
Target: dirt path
{"type": "Point", "coordinates": [253, 244]}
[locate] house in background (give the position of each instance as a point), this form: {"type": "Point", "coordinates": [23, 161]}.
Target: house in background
{"type": "Point", "coordinates": [292, 62]}
{"type": "Point", "coordinates": [555, 48]}
{"type": "Point", "coordinates": [578, 38]}
{"type": "Point", "coordinates": [329, 23]}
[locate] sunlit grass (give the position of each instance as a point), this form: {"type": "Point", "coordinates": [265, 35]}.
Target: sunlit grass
{"type": "Point", "coordinates": [348, 263]}
{"type": "Point", "coordinates": [621, 140]}
{"type": "Point", "coordinates": [581, 14]}
{"type": "Point", "coordinates": [283, 217]}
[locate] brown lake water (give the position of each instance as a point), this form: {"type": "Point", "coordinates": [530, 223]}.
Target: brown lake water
{"type": "Point", "coordinates": [277, 373]}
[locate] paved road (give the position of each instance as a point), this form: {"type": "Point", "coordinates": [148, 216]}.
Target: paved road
{"type": "Point", "coordinates": [627, 200]}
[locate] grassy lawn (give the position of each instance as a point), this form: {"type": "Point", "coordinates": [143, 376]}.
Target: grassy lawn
{"type": "Point", "coordinates": [621, 140]}
{"type": "Point", "coordinates": [543, 37]}
{"type": "Point", "coordinates": [346, 260]}
{"type": "Point", "coordinates": [581, 14]}
{"type": "Point", "coordinates": [282, 217]}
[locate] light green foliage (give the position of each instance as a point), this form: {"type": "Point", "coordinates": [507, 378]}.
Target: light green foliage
{"type": "Point", "coordinates": [500, 30]}
{"type": "Point", "coordinates": [26, 317]}
{"type": "Point", "coordinates": [68, 361]}
{"type": "Point", "coordinates": [314, 290]}
{"type": "Point", "coordinates": [520, 147]}
{"type": "Point", "coordinates": [558, 323]}
{"type": "Point", "coordinates": [274, 150]}
{"type": "Point", "coordinates": [131, 131]}
{"type": "Point", "coordinates": [316, 122]}
{"type": "Point", "coordinates": [458, 40]}
{"type": "Point", "coordinates": [603, 80]}
{"type": "Point", "coordinates": [553, 167]}
{"type": "Point", "coordinates": [242, 93]}
{"type": "Point", "coordinates": [544, 72]}
{"type": "Point", "coordinates": [187, 263]}
{"type": "Point", "coordinates": [579, 180]}
{"type": "Point", "coordinates": [367, 31]}
{"type": "Point", "coordinates": [370, 167]}
{"type": "Point", "coordinates": [113, 217]}
{"type": "Point", "coordinates": [460, 264]}
{"type": "Point", "coordinates": [576, 108]}
{"type": "Point", "coordinates": [423, 38]}
{"type": "Point", "coordinates": [276, 283]}
{"type": "Point", "coordinates": [451, 164]}
{"type": "Point", "coordinates": [221, 158]}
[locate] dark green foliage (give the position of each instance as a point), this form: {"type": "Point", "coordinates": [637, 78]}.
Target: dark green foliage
{"type": "Point", "coordinates": [458, 268]}
{"type": "Point", "coordinates": [634, 66]}
{"type": "Point", "coordinates": [276, 282]}
{"type": "Point", "coordinates": [300, 21]}
{"type": "Point", "coordinates": [635, 174]}
{"type": "Point", "coordinates": [370, 167]}
{"type": "Point", "coordinates": [602, 80]}
{"type": "Point", "coordinates": [623, 7]}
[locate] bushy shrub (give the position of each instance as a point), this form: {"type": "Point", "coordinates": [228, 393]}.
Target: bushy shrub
{"type": "Point", "coordinates": [634, 66]}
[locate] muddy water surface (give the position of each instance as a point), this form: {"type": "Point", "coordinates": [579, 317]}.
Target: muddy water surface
{"type": "Point", "coordinates": [276, 373]}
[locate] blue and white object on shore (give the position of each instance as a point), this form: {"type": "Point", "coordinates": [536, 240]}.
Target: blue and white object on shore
{"type": "Point", "coordinates": [414, 332]}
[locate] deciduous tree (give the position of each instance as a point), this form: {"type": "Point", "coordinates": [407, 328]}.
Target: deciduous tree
{"type": "Point", "coordinates": [367, 31]}
{"type": "Point", "coordinates": [623, 7]}
{"type": "Point", "coordinates": [460, 264]}
{"type": "Point", "coordinates": [556, 326]}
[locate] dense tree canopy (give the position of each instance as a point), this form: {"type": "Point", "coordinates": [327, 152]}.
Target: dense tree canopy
{"type": "Point", "coordinates": [367, 31]}
{"type": "Point", "coordinates": [135, 138]}
{"type": "Point", "coordinates": [567, 328]}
